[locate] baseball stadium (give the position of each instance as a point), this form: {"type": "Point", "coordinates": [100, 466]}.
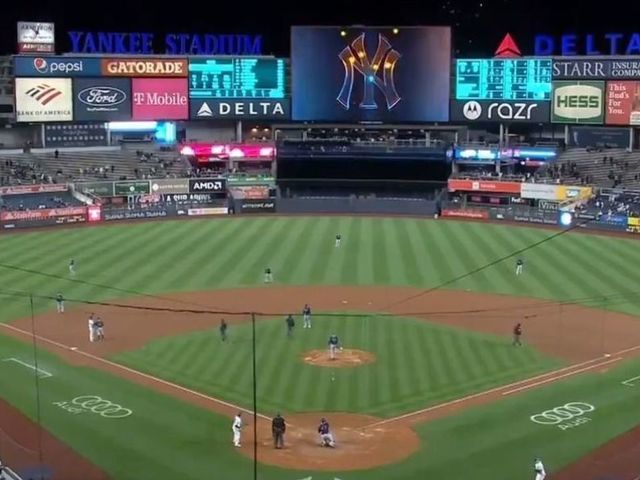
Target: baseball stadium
{"type": "Point", "coordinates": [380, 261]}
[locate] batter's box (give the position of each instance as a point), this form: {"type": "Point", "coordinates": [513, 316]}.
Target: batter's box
{"type": "Point", "coordinates": [631, 382]}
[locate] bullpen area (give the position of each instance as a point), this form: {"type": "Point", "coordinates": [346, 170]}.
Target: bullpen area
{"type": "Point", "coordinates": [427, 379]}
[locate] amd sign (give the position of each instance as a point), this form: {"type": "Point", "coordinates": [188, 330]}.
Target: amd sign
{"type": "Point", "coordinates": [489, 111]}
{"type": "Point", "coordinates": [207, 185]}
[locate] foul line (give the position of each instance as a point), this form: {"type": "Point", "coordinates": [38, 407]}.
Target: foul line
{"type": "Point", "coordinates": [500, 388]}
{"type": "Point", "coordinates": [629, 383]}
{"type": "Point", "coordinates": [135, 372]}
{"type": "Point", "coordinates": [553, 379]}
{"type": "Point", "coordinates": [42, 373]}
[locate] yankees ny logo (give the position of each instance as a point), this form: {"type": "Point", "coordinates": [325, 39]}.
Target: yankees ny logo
{"type": "Point", "coordinates": [355, 59]}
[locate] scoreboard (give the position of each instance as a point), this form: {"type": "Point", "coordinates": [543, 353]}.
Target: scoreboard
{"type": "Point", "coordinates": [503, 79]}
{"type": "Point", "coordinates": [236, 77]}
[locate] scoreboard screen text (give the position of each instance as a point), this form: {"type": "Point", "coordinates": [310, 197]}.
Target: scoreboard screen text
{"type": "Point", "coordinates": [503, 79]}
{"type": "Point", "coordinates": [236, 77]}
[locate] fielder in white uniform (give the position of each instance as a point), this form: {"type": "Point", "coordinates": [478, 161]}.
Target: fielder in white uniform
{"type": "Point", "coordinates": [92, 328]}
{"type": "Point", "coordinates": [334, 345]}
{"type": "Point", "coordinates": [72, 267]}
{"type": "Point", "coordinates": [237, 429]}
{"type": "Point", "coordinates": [338, 240]}
{"type": "Point", "coordinates": [538, 467]}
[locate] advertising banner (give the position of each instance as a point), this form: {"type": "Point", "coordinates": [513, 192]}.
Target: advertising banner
{"type": "Point", "coordinates": [42, 214]}
{"type": "Point", "coordinates": [578, 102]}
{"type": "Point", "coordinates": [160, 99]}
{"type": "Point", "coordinates": [43, 100]}
{"type": "Point", "coordinates": [55, 66]}
{"type": "Point", "coordinates": [565, 192]}
{"type": "Point", "coordinates": [538, 191]}
{"type": "Point", "coordinates": [599, 137]}
{"type": "Point", "coordinates": [145, 67]}
{"type": "Point", "coordinates": [623, 103]}
{"type": "Point", "coordinates": [371, 74]}
{"type": "Point", "coordinates": [500, 111]}
{"type": "Point", "coordinates": [105, 99]}
{"type": "Point", "coordinates": [134, 187]}
{"type": "Point", "coordinates": [258, 206]}
{"type": "Point", "coordinates": [459, 185]}
{"type": "Point", "coordinates": [257, 192]}
{"type": "Point", "coordinates": [126, 214]}
{"type": "Point", "coordinates": [596, 69]}
{"type": "Point", "coordinates": [207, 185]}
{"type": "Point", "coordinates": [633, 225]}
{"type": "Point", "coordinates": [207, 211]}
{"type": "Point", "coordinates": [503, 79]}
{"type": "Point", "coordinates": [170, 185]}
{"type": "Point", "coordinates": [465, 213]}
{"type": "Point", "coordinates": [36, 37]}
{"type": "Point", "coordinates": [262, 109]}
{"type": "Point", "coordinates": [99, 189]}
{"type": "Point", "coordinates": [26, 189]}
{"type": "Point", "coordinates": [59, 135]}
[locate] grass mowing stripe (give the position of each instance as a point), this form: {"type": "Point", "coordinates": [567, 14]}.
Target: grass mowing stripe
{"type": "Point", "coordinates": [398, 268]}
{"type": "Point", "coordinates": [364, 252]}
{"type": "Point", "coordinates": [437, 243]}
{"type": "Point", "coordinates": [323, 250]}
{"type": "Point", "coordinates": [309, 255]}
{"type": "Point", "coordinates": [332, 273]}
{"type": "Point", "coordinates": [380, 253]}
{"type": "Point", "coordinates": [298, 246]}
{"type": "Point", "coordinates": [410, 254]}
{"type": "Point", "coordinates": [350, 273]}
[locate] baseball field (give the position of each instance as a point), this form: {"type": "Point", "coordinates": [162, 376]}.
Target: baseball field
{"type": "Point", "coordinates": [428, 383]}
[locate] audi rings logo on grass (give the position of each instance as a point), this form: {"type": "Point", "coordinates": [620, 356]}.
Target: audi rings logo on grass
{"type": "Point", "coordinates": [566, 416]}
{"type": "Point", "coordinates": [96, 405]}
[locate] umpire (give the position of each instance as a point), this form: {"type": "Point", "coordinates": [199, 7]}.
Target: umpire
{"type": "Point", "coordinates": [278, 427]}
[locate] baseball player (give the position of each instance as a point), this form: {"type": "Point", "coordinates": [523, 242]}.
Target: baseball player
{"type": "Point", "coordinates": [338, 240]}
{"type": "Point", "coordinates": [72, 267]}
{"type": "Point", "coordinates": [92, 327]}
{"type": "Point", "coordinates": [538, 467]}
{"type": "Point", "coordinates": [334, 344]}
{"type": "Point", "coordinates": [237, 429]}
{"type": "Point", "coordinates": [306, 315]}
{"type": "Point", "coordinates": [278, 427]}
{"type": "Point", "coordinates": [268, 275]}
{"type": "Point", "coordinates": [517, 333]}
{"type": "Point", "coordinates": [519, 266]}
{"type": "Point", "coordinates": [290, 324]}
{"type": "Point", "coordinates": [223, 330]}
{"type": "Point", "coordinates": [60, 303]}
{"type": "Point", "coordinates": [99, 326]}
{"type": "Point", "coordinates": [326, 439]}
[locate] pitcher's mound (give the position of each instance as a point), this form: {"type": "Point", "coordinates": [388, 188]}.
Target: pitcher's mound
{"type": "Point", "coordinates": [361, 443]}
{"type": "Point", "coordinates": [348, 357]}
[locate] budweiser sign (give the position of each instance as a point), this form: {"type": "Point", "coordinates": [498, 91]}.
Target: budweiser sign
{"type": "Point", "coordinates": [41, 214]}
{"type": "Point", "coordinates": [156, 67]}
{"type": "Point", "coordinates": [23, 189]}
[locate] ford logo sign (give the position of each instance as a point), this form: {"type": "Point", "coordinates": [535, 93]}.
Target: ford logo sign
{"type": "Point", "coordinates": [102, 96]}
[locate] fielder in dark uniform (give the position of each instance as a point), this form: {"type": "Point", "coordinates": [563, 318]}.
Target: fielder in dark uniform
{"type": "Point", "coordinates": [290, 324]}
{"type": "Point", "coordinates": [517, 333]}
{"type": "Point", "coordinates": [278, 427]}
{"type": "Point", "coordinates": [60, 303]}
{"type": "Point", "coordinates": [223, 330]}
{"type": "Point", "coordinates": [326, 438]}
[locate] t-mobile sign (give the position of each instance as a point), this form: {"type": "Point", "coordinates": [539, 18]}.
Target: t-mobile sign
{"type": "Point", "coordinates": [160, 99]}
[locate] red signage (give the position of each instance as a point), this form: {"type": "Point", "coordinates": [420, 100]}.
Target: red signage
{"type": "Point", "coordinates": [160, 99]}
{"type": "Point", "coordinates": [508, 48]}
{"type": "Point", "coordinates": [459, 185]}
{"type": "Point", "coordinates": [475, 214]}
{"type": "Point", "coordinates": [623, 103]}
{"type": "Point", "coordinates": [43, 214]}
{"type": "Point", "coordinates": [23, 189]}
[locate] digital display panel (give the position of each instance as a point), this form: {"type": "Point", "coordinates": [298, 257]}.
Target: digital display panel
{"type": "Point", "coordinates": [503, 79]}
{"type": "Point", "coordinates": [236, 77]}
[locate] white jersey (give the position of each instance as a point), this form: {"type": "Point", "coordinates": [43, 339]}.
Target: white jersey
{"type": "Point", "coordinates": [91, 324]}
{"type": "Point", "coordinates": [237, 422]}
{"type": "Point", "coordinates": [539, 468]}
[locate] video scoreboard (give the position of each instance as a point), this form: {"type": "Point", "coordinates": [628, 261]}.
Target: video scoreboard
{"type": "Point", "coordinates": [236, 77]}
{"type": "Point", "coordinates": [503, 79]}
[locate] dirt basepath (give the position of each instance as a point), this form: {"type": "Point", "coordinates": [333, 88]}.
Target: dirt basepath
{"type": "Point", "coordinates": [589, 339]}
{"type": "Point", "coordinates": [20, 442]}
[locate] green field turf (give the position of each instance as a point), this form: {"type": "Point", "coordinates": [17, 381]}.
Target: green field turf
{"type": "Point", "coordinates": [167, 438]}
{"type": "Point", "coordinates": [418, 364]}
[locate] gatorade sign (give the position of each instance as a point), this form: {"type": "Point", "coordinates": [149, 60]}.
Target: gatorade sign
{"type": "Point", "coordinates": [578, 102]}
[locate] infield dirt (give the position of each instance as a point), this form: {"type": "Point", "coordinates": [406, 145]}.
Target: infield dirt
{"type": "Point", "coordinates": [576, 334]}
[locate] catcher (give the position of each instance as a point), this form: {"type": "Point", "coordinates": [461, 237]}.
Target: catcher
{"type": "Point", "coordinates": [326, 438]}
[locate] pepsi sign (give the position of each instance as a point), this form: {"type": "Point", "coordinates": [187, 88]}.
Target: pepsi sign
{"type": "Point", "coordinates": [51, 66]}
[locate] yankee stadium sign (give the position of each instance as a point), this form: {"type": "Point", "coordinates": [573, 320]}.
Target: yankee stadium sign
{"type": "Point", "coordinates": [144, 43]}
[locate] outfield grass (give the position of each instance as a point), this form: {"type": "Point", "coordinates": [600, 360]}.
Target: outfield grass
{"type": "Point", "coordinates": [166, 438]}
{"type": "Point", "coordinates": [418, 364]}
